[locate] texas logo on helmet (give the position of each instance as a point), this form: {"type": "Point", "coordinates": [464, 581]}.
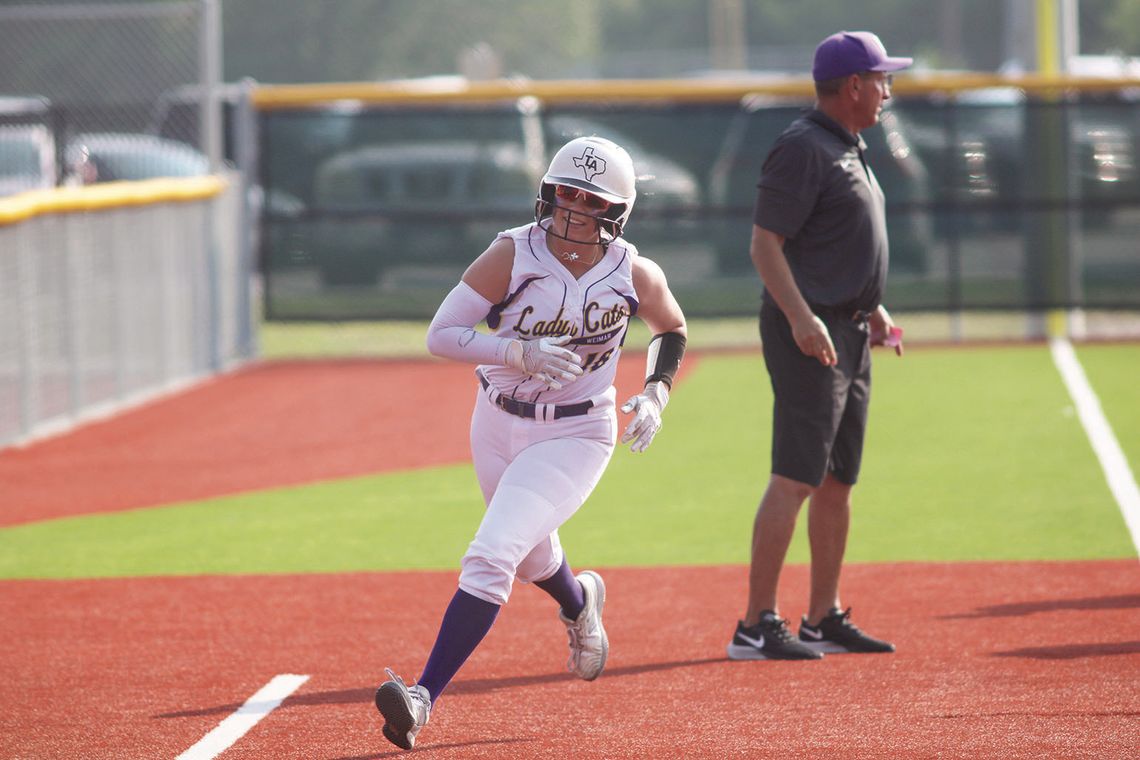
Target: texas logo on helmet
{"type": "Point", "coordinates": [590, 164]}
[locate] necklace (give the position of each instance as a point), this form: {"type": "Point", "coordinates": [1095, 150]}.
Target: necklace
{"type": "Point", "coordinates": [576, 258]}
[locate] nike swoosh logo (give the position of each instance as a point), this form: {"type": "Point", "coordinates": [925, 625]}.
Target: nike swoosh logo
{"type": "Point", "coordinates": [758, 643]}
{"type": "Point", "coordinates": [817, 635]}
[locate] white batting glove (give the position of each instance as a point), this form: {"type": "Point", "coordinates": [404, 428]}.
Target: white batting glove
{"type": "Point", "coordinates": [647, 420]}
{"type": "Point", "coordinates": [546, 359]}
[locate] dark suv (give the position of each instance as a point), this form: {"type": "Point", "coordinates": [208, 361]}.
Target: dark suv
{"type": "Point", "coordinates": [901, 173]}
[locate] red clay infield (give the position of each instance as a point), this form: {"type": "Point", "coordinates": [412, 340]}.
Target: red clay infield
{"type": "Point", "coordinates": [273, 424]}
{"type": "Point", "coordinates": [267, 425]}
{"type": "Point", "coordinates": [995, 660]}
{"type": "Point", "coordinates": [1031, 660]}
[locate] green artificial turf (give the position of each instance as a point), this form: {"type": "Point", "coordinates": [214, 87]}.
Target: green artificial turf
{"type": "Point", "coordinates": [416, 520]}
{"type": "Point", "coordinates": [390, 338]}
{"type": "Point", "coordinates": [978, 454]}
{"type": "Point", "coordinates": [972, 454]}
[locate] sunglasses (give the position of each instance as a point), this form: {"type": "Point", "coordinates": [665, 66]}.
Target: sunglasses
{"type": "Point", "coordinates": [568, 193]}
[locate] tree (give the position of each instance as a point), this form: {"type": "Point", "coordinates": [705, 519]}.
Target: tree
{"type": "Point", "coordinates": [355, 40]}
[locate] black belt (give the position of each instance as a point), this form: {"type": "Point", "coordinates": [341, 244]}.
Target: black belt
{"type": "Point", "coordinates": [840, 312]}
{"type": "Point", "coordinates": [530, 411]}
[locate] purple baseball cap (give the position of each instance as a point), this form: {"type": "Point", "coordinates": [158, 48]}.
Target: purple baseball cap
{"type": "Point", "coordinates": [849, 53]}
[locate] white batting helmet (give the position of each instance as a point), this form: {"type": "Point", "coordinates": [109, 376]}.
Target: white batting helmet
{"type": "Point", "coordinates": [598, 166]}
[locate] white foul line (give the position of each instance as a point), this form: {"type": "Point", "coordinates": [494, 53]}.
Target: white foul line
{"type": "Point", "coordinates": [1120, 479]}
{"type": "Point", "coordinates": [236, 725]}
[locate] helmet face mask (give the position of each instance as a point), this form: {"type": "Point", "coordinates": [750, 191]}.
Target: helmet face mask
{"type": "Point", "coordinates": [599, 167]}
{"type": "Point", "coordinates": [603, 225]}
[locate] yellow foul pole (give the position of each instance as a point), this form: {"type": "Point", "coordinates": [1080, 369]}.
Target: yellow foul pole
{"type": "Point", "coordinates": [1049, 64]}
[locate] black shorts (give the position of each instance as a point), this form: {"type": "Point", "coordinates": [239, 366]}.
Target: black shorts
{"type": "Point", "coordinates": [819, 414]}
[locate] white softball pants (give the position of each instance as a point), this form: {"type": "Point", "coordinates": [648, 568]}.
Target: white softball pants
{"type": "Point", "coordinates": [534, 477]}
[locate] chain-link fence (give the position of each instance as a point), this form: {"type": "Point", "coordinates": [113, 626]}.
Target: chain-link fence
{"type": "Point", "coordinates": [109, 296]}
{"type": "Point", "coordinates": [91, 91]}
{"type": "Point", "coordinates": [114, 294]}
{"type": "Point", "coordinates": [1015, 195]}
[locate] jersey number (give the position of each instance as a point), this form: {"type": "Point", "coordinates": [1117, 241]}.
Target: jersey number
{"type": "Point", "coordinates": [595, 360]}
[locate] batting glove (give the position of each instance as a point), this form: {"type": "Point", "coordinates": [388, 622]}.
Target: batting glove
{"type": "Point", "coordinates": [647, 421]}
{"type": "Point", "coordinates": [546, 359]}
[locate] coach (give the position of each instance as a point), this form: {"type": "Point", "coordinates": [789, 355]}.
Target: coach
{"type": "Point", "coordinates": [819, 243]}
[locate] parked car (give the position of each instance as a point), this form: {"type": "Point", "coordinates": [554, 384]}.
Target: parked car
{"type": "Point", "coordinates": [114, 156]}
{"type": "Point", "coordinates": [1107, 136]}
{"type": "Point", "coordinates": [668, 194]}
{"type": "Point", "coordinates": [27, 158]}
{"type": "Point", "coordinates": [409, 202]}
{"type": "Point", "coordinates": [984, 153]}
{"type": "Point", "coordinates": [662, 184]}
{"type": "Point", "coordinates": [899, 169]}
{"type": "Point", "coordinates": [28, 150]}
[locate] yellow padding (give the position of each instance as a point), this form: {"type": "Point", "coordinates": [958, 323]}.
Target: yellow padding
{"type": "Point", "coordinates": [411, 92]}
{"type": "Point", "coordinates": [63, 200]}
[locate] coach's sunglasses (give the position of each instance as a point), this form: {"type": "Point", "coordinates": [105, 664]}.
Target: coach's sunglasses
{"type": "Point", "coordinates": [569, 193]}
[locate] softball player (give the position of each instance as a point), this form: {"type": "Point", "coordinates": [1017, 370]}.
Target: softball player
{"type": "Point", "coordinates": [557, 295]}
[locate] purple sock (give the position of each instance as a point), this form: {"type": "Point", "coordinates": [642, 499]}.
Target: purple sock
{"type": "Point", "coordinates": [465, 623]}
{"type": "Point", "coordinates": [565, 589]}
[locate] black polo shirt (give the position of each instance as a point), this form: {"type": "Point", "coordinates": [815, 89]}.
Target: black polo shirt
{"type": "Point", "coordinates": [817, 191]}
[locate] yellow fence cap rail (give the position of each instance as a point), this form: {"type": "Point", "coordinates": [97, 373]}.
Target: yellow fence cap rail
{"type": "Point", "coordinates": [712, 89]}
{"type": "Point", "coordinates": [63, 200]}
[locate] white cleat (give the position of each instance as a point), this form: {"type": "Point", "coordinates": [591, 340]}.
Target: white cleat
{"type": "Point", "coordinates": [589, 646]}
{"type": "Point", "coordinates": [406, 710]}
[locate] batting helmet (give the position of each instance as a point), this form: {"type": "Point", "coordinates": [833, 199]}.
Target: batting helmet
{"type": "Point", "coordinates": [598, 166]}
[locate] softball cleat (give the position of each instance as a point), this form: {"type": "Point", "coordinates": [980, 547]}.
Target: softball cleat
{"type": "Point", "coordinates": [589, 646]}
{"type": "Point", "coordinates": [406, 710]}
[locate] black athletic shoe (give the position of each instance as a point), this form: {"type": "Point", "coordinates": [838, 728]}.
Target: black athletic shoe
{"type": "Point", "coordinates": [769, 639]}
{"type": "Point", "coordinates": [836, 634]}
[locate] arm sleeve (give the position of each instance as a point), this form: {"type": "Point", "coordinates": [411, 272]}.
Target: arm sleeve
{"type": "Point", "coordinates": [452, 333]}
{"type": "Point", "coordinates": [663, 359]}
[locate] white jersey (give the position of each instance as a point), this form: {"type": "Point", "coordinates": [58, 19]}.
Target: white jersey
{"type": "Point", "coordinates": [545, 300]}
